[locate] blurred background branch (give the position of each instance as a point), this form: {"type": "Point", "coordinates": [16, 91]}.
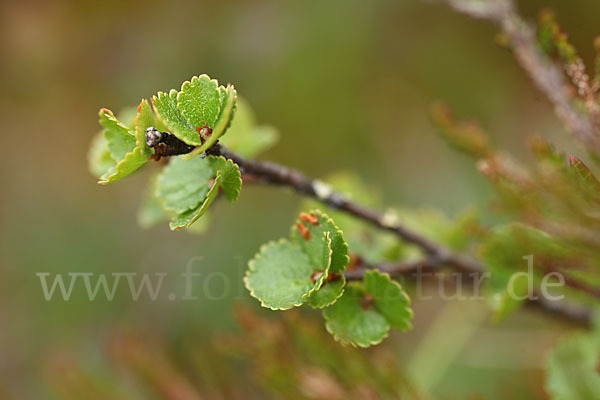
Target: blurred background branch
{"type": "Point", "coordinates": [543, 72]}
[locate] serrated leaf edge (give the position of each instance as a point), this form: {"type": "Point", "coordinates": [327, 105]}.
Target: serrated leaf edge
{"type": "Point", "coordinates": [404, 294]}
{"type": "Point", "coordinates": [238, 174]}
{"type": "Point", "coordinates": [304, 298]}
{"type": "Point", "coordinates": [328, 324]}
{"type": "Point", "coordinates": [334, 300]}
{"type": "Point", "coordinates": [104, 180]}
{"type": "Point", "coordinates": [111, 116]}
{"type": "Point", "coordinates": [166, 124]}
{"type": "Point", "coordinates": [140, 135]}
{"type": "Point", "coordinates": [221, 125]}
{"type": "Point", "coordinates": [188, 83]}
{"type": "Point", "coordinates": [109, 179]}
{"type": "Point", "coordinates": [330, 220]}
{"type": "Point", "coordinates": [210, 196]}
{"type": "Point", "coordinates": [251, 269]}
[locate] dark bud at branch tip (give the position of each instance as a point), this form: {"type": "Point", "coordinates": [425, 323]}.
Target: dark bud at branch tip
{"type": "Point", "coordinates": [153, 136]}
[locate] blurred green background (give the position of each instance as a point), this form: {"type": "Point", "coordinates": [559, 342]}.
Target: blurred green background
{"type": "Point", "coordinates": [348, 85]}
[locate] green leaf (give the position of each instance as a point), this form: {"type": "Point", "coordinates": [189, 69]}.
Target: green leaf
{"type": "Point", "coordinates": [244, 136]}
{"type": "Point", "coordinates": [187, 218]}
{"type": "Point", "coordinates": [350, 321]}
{"type": "Point", "coordinates": [100, 160]}
{"type": "Point", "coordinates": [280, 276]}
{"type": "Point", "coordinates": [316, 223]}
{"type": "Point", "coordinates": [122, 147]}
{"type": "Point", "coordinates": [367, 310]}
{"type": "Point", "coordinates": [232, 178]}
{"type": "Point", "coordinates": [328, 293]}
{"type": "Point", "coordinates": [200, 101]}
{"type": "Point", "coordinates": [184, 184]}
{"type": "Point", "coordinates": [572, 368]}
{"type": "Point", "coordinates": [201, 225]}
{"type": "Point", "coordinates": [143, 120]}
{"type": "Point", "coordinates": [228, 96]}
{"type": "Point", "coordinates": [184, 187]}
{"type": "Point", "coordinates": [316, 241]}
{"type": "Point", "coordinates": [228, 100]}
{"type": "Point", "coordinates": [151, 212]}
{"type": "Point", "coordinates": [120, 139]}
{"type": "Point", "coordinates": [391, 301]}
{"type": "Point", "coordinates": [125, 167]}
{"type": "Point", "coordinates": [172, 118]}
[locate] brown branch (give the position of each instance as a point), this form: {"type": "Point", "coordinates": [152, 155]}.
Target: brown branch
{"type": "Point", "coordinates": [275, 174]}
{"type": "Point", "coordinates": [546, 75]}
{"type": "Point", "coordinates": [404, 269]}
{"type": "Point", "coordinates": [437, 255]}
{"type": "Point", "coordinates": [569, 312]}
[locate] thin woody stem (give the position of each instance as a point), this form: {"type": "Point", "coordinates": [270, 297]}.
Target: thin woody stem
{"type": "Point", "coordinates": [437, 255]}
{"type": "Point", "coordinates": [427, 267]}
{"type": "Point", "coordinates": [275, 174]}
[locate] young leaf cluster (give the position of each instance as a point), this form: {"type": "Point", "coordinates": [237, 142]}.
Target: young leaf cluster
{"type": "Point", "coordinates": [198, 115]}
{"type": "Point", "coordinates": [309, 269]}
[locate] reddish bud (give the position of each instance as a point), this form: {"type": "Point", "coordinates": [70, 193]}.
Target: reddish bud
{"type": "Point", "coordinates": [309, 219]}
{"type": "Point", "coordinates": [304, 232]}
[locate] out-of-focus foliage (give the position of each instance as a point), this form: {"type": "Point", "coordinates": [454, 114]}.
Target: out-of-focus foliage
{"type": "Point", "coordinates": [555, 204]}
{"type": "Point", "coordinates": [290, 356]}
{"type": "Point", "coordinates": [573, 367]}
{"type": "Point", "coordinates": [245, 136]}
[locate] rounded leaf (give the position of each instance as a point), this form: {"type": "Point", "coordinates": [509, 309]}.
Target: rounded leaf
{"type": "Point", "coordinates": [186, 219]}
{"type": "Point", "coordinates": [352, 321]}
{"type": "Point", "coordinates": [172, 118]}
{"type": "Point", "coordinates": [389, 299]}
{"type": "Point", "coordinates": [231, 183]}
{"type": "Point", "coordinates": [200, 101]}
{"type": "Point", "coordinates": [328, 293]}
{"type": "Point", "coordinates": [121, 143]}
{"type": "Point", "coordinates": [281, 276]}
{"type": "Point", "coordinates": [183, 184]}
{"type": "Point", "coordinates": [307, 232]}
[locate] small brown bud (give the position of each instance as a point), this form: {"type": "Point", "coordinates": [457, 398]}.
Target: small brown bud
{"type": "Point", "coordinates": [304, 232]}
{"type": "Point", "coordinates": [309, 219]}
